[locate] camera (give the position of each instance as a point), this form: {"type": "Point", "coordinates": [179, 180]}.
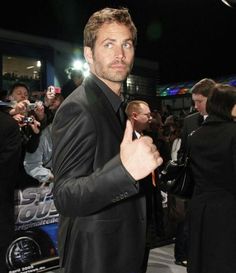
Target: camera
{"type": "Point", "coordinates": [57, 90]}
{"type": "Point", "coordinates": [27, 120]}
{"type": "Point", "coordinates": [31, 106]}
{"type": "Point", "coordinates": [54, 89]}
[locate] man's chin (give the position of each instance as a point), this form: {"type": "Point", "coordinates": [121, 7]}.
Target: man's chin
{"type": "Point", "coordinates": [119, 77]}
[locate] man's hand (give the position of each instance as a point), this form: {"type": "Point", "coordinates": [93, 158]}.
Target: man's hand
{"type": "Point", "coordinates": [140, 156]}
{"type": "Point", "coordinates": [35, 125]}
{"type": "Point", "coordinates": [19, 118]}
{"type": "Point", "coordinates": [49, 96]}
{"type": "Point", "coordinates": [19, 108]}
{"type": "Point", "coordinates": [39, 110]}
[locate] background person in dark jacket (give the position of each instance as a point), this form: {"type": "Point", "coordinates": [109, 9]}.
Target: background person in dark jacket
{"type": "Point", "coordinates": [75, 79]}
{"type": "Point", "coordinates": [10, 152]}
{"type": "Point", "coordinates": [200, 92]}
{"type": "Point", "coordinates": [139, 114]}
{"type": "Point", "coordinates": [212, 209]}
{"type": "Point", "coordinates": [30, 131]}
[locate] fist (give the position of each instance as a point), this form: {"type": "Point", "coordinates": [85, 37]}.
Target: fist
{"type": "Point", "coordinates": [140, 156]}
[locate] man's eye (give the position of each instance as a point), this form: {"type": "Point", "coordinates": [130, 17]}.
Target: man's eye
{"type": "Point", "coordinates": [127, 45]}
{"type": "Point", "coordinates": [108, 45]}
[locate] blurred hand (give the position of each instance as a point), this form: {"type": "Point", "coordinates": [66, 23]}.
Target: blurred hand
{"type": "Point", "coordinates": [39, 110]}
{"type": "Point", "coordinates": [140, 156]}
{"type": "Point", "coordinates": [50, 95]}
{"type": "Point", "coordinates": [19, 118]}
{"type": "Point", "coordinates": [20, 107]}
{"type": "Point", "coordinates": [35, 125]}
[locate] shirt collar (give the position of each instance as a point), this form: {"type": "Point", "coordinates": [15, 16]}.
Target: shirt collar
{"type": "Point", "coordinates": [204, 117]}
{"type": "Point", "coordinates": [138, 135]}
{"type": "Point", "coordinates": [114, 99]}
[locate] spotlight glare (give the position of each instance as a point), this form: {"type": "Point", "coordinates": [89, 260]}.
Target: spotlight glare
{"type": "Point", "coordinates": [38, 64]}
{"type": "Point", "coordinates": [77, 64]}
{"type": "Point", "coordinates": [229, 3]}
{"type": "Point", "coordinates": [86, 73]}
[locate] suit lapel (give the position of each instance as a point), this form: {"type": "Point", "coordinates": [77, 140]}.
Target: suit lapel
{"type": "Point", "coordinates": [105, 108]}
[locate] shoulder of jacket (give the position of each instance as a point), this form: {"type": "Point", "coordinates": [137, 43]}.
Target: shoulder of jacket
{"type": "Point", "coordinates": [192, 116]}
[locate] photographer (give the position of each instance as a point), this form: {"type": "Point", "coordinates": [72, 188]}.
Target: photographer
{"type": "Point", "coordinates": [38, 164]}
{"type": "Point", "coordinates": [52, 100]}
{"type": "Point", "coordinates": [25, 114]}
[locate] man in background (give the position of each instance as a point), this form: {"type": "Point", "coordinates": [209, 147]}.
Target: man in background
{"type": "Point", "coordinates": [139, 114]}
{"type": "Point", "coordinates": [75, 79]}
{"type": "Point", "coordinates": [200, 92]}
{"type": "Point", "coordinates": [10, 153]}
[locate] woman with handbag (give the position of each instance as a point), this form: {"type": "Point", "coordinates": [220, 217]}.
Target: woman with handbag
{"type": "Point", "coordinates": [212, 209]}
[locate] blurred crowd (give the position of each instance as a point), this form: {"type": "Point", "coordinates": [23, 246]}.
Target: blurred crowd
{"type": "Point", "coordinates": [33, 118]}
{"type": "Point", "coordinates": [25, 150]}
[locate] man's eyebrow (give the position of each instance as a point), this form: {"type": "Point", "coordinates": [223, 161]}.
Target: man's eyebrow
{"type": "Point", "coordinates": [113, 40]}
{"type": "Point", "coordinates": [108, 40]}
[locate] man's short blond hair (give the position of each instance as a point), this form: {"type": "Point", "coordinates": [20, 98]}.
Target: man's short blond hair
{"type": "Point", "coordinates": [134, 106]}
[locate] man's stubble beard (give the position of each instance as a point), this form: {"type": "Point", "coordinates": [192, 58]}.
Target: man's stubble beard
{"type": "Point", "coordinates": [108, 73]}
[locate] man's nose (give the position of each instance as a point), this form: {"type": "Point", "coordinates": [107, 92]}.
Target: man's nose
{"type": "Point", "coordinates": [120, 54]}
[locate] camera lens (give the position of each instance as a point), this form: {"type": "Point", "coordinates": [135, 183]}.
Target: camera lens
{"type": "Point", "coordinates": [28, 120]}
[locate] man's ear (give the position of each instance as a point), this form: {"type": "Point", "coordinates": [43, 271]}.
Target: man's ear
{"type": "Point", "coordinates": [88, 55]}
{"type": "Point", "coordinates": [134, 114]}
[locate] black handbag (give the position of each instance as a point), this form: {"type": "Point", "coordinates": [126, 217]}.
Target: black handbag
{"type": "Point", "coordinates": [176, 179]}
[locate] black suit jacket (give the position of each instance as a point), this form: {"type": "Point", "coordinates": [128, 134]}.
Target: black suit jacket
{"type": "Point", "coordinates": [212, 210]}
{"type": "Point", "coordinates": [191, 123]}
{"type": "Point", "coordinates": [10, 153]}
{"type": "Point", "coordinates": [103, 219]}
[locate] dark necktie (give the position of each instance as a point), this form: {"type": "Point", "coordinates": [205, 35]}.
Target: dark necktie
{"type": "Point", "coordinates": [121, 115]}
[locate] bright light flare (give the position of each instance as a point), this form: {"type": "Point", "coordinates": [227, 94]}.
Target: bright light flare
{"type": "Point", "coordinates": [77, 65]}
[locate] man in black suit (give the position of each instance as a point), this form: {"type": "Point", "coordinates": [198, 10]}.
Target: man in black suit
{"type": "Point", "coordinates": [10, 152]}
{"type": "Point", "coordinates": [139, 114]}
{"type": "Point", "coordinates": [102, 216]}
{"type": "Point", "coordinates": [200, 92]}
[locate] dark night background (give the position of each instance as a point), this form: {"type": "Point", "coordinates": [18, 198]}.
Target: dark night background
{"type": "Point", "coordinates": [190, 39]}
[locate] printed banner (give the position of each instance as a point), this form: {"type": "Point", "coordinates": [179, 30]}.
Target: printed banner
{"type": "Point", "coordinates": [34, 247]}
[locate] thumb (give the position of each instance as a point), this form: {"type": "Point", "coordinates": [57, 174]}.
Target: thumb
{"type": "Point", "coordinates": [128, 134]}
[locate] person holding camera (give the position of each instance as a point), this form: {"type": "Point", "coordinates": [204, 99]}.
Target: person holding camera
{"type": "Point", "coordinates": [52, 100]}
{"type": "Point", "coordinates": [23, 110]}
{"type": "Point", "coordinates": [39, 164]}
{"type": "Point", "coordinates": [24, 113]}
